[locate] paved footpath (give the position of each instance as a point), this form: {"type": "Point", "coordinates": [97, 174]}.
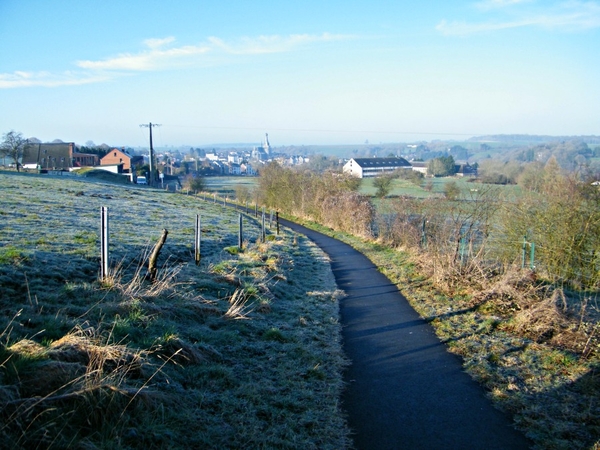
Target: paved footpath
{"type": "Point", "coordinates": [405, 390]}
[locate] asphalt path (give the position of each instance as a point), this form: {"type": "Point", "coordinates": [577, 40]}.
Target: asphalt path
{"type": "Point", "coordinates": [404, 389]}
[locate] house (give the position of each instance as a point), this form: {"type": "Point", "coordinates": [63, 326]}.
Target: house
{"type": "Point", "coordinates": [372, 167]}
{"type": "Point", "coordinates": [419, 166]}
{"type": "Point", "coordinates": [233, 169]}
{"type": "Point", "coordinates": [116, 156]}
{"type": "Point", "coordinates": [234, 157]}
{"type": "Point", "coordinates": [52, 156]}
{"type": "Point", "coordinates": [465, 170]}
{"type": "Point", "coordinates": [247, 169]}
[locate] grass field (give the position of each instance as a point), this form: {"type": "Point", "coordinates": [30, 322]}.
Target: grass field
{"type": "Point", "coordinates": [242, 351]}
{"type": "Point", "coordinates": [430, 187]}
{"type": "Point", "coordinates": [225, 186]}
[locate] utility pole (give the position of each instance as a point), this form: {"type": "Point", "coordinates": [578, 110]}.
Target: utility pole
{"type": "Point", "coordinates": [152, 168]}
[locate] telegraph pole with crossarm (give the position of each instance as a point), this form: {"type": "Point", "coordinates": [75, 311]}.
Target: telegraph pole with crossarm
{"type": "Point", "coordinates": [151, 177]}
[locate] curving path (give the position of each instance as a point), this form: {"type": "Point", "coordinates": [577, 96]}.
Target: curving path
{"type": "Point", "coordinates": [404, 390]}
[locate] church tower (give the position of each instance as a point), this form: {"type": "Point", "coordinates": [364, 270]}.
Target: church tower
{"type": "Point", "coordinates": [266, 145]}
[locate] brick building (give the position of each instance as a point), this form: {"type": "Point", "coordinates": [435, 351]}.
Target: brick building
{"type": "Point", "coordinates": [116, 156]}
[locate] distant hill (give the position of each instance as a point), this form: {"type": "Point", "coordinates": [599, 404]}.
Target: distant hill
{"type": "Point", "coordinates": [533, 139]}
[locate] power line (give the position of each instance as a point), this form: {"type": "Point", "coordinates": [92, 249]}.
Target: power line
{"type": "Point", "coordinates": [325, 130]}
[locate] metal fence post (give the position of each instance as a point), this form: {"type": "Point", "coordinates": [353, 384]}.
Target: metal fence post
{"type": "Point", "coordinates": [197, 240]}
{"type": "Point", "coordinates": [241, 234]}
{"type": "Point", "coordinates": [104, 242]}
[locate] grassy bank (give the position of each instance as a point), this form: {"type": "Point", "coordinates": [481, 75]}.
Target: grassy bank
{"type": "Point", "coordinates": [240, 351]}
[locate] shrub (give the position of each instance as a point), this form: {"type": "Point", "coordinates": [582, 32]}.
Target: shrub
{"type": "Point", "coordinates": [194, 183]}
{"type": "Point", "coordinates": [349, 212]}
{"type": "Point", "coordinates": [451, 190]}
{"type": "Point", "coordinates": [383, 184]}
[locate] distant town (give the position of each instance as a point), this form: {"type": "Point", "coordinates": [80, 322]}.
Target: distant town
{"type": "Point", "coordinates": [366, 160]}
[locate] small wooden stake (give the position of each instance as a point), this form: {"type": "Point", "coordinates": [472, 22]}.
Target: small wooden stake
{"type": "Point", "coordinates": [152, 270]}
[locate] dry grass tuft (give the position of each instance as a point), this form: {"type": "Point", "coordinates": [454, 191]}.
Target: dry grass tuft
{"type": "Point", "coordinates": [549, 321]}
{"type": "Point", "coordinates": [239, 307]}
{"type": "Point", "coordinates": [512, 291]}
{"type": "Point", "coordinates": [28, 348]}
{"type": "Point", "coordinates": [139, 286]}
{"type": "Point", "coordinates": [76, 385]}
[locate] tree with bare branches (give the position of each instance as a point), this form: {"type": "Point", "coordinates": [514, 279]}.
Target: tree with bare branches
{"type": "Point", "coordinates": [13, 145]}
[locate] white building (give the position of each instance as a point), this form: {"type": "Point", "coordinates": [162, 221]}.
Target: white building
{"type": "Point", "coordinates": [419, 166]}
{"type": "Point", "coordinates": [372, 167]}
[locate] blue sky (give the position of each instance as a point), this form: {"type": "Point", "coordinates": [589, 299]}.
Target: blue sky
{"type": "Point", "coordinates": [307, 72]}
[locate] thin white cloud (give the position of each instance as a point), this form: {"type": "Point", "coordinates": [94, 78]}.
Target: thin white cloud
{"type": "Point", "coordinates": [20, 79]}
{"type": "Point", "coordinates": [155, 43]}
{"type": "Point", "coordinates": [153, 59]}
{"type": "Point", "coordinates": [160, 54]}
{"type": "Point", "coordinates": [157, 57]}
{"type": "Point", "coordinates": [273, 43]}
{"type": "Point", "coordinates": [564, 16]}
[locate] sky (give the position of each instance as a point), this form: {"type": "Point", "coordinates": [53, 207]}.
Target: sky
{"type": "Point", "coordinates": [308, 72]}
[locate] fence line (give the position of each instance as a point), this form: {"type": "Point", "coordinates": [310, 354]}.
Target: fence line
{"type": "Point", "coordinates": [105, 235]}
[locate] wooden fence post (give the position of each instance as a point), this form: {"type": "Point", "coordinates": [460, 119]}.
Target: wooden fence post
{"type": "Point", "coordinates": [152, 269]}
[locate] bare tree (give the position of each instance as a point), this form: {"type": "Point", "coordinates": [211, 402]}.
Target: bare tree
{"type": "Point", "coordinates": [13, 145]}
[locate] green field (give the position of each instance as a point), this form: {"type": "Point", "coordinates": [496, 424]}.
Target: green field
{"type": "Point", "coordinates": [433, 187]}
{"type": "Point", "coordinates": [225, 186]}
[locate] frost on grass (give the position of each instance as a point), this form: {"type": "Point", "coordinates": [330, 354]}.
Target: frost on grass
{"type": "Point", "coordinates": [133, 364]}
